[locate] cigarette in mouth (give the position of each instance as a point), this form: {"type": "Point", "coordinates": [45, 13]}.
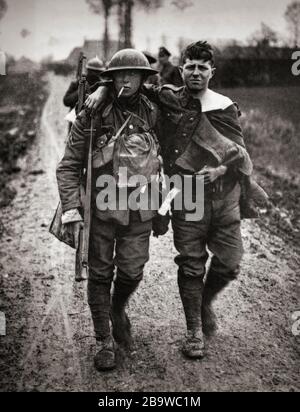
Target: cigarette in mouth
{"type": "Point", "coordinates": [120, 92]}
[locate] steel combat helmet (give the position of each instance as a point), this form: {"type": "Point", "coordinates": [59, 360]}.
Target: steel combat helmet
{"type": "Point", "coordinates": [95, 64]}
{"type": "Point", "coordinates": [129, 59]}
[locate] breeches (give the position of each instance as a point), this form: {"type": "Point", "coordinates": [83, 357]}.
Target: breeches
{"type": "Point", "coordinates": [113, 245]}
{"type": "Point", "coordinates": [218, 230]}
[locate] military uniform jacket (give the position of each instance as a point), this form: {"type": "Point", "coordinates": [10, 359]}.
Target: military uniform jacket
{"type": "Point", "coordinates": [184, 135]}
{"type": "Point", "coordinates": [170, 74]}
{"type": "Point", "coordinates": [71, 96]}
{"type": "Point", "coordinates": [107, 122]}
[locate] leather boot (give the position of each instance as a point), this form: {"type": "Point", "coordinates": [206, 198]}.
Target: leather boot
{"type": "Point", "coordinates": [191, 296]}
{"type": "Point", "coordinates": [105, 358]}
{"type": "Point", "coordinates": [120, 321]}
{"type": "Point", "coordinates": [214, 284]}
{"type": "Point", "coordinates": [99, 302]}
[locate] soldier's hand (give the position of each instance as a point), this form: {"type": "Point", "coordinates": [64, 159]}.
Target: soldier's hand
{"type": "Point", "coordinates": [74, 229]}
{"type": "Point", "coordinates": [211, 174]}
{"type": "Point", "coordinates": [95, 99]}
{"type": "Point", "coordinates": [160, 225]}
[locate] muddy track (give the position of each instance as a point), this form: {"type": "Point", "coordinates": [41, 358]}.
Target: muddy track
{"type": "Point", "coordinates": [49, 344]}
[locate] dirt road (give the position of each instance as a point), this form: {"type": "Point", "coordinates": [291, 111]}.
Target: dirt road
{"type": "Point", "coordinates": [49, 344]}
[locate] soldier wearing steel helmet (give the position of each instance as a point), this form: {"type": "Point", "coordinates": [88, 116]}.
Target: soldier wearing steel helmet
{"type": "Point", "coordinates": [201, 135]}
{"type": "Point", "coordinates": [168, 73]}
{"type": "Point", "coordinates": [154, 78]}
{"type": "Point", "coordinates": [118, 238]}
{"type": "Point", "coordinates": [95, 68]}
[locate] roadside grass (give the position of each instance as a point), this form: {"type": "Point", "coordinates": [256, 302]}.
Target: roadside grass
{"type": "Point", "coordinates": [21, 101]}
{"type": "Point", "coordinates": [272, 136]}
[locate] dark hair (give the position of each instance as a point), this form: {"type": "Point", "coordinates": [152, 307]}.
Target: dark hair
{"type": "Point", "coordinates": [198, 50]}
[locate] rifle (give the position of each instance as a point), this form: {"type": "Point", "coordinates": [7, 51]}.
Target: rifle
{"type": "Point", "coordinates": [81, 260]}
{"type": "Point", "coordinates": [82, 253]}
{"type": "Point", "coordinates": [79, 66]}
{"type": "Point", "coordinates": [81, 73]}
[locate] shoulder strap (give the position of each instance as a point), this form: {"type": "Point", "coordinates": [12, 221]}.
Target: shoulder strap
{"type": "Point", "coordinates": [119, 132]}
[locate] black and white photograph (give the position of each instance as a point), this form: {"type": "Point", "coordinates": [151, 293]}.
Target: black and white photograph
{"type": "Point", "coordinates": [149, 198]}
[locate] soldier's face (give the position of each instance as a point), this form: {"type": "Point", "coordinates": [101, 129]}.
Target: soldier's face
{"type": "Point", "coordinates": [197, 74]}
{"type": "Point", "coordinates": [131, 80]}
{"type": "Point", "coordinates": [93, 76]}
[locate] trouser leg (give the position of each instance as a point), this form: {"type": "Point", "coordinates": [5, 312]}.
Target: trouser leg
{"type": "Point", "coordinates": [122, 292]}
{"type": "Point", "coordinates": [120, 298]}
{"type": "Point", "coordinates": [101, 271]}
{"type": "Point", "coordinates": [132, 252]}
{"type": "Point", "coordinates": [190, 290]}
{"type": "Point", "coordinates": [225, 242]}
{"type": "Point", "coordinates": [190, 242]}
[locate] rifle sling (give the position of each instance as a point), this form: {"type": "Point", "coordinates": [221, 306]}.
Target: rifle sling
{"type": "Point", "coordinates": [115, 138]}
{"type": "Point", "coordinates": [87, 198]}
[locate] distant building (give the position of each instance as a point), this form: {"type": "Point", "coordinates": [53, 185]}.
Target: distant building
{"type": "Point", "coordinates": [91, 48]}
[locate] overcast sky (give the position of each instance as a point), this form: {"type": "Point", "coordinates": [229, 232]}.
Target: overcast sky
{"type": "Point", "coordinates": [56, 26]}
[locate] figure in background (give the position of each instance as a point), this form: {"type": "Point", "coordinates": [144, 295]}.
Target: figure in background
{"type": "Point", "coordinates": [154, 78]}
{"type": "Point", "coordinates": [95, 68]}
{"type": "Point", "coordinates": [168, 73]}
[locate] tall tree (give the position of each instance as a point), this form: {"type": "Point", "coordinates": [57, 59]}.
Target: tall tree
{"type": "Point", "coordinates": [292, 16]}
{"type": "Point", "coordinates": [99, 7]}
{"type": "Point", "coordinates": [128, 23]}
{"type": "Point", "coordinates": [128, 8]}
{"type": "Point", "coordinates": [264, 38]}
{"type": "Point", "coordinates": [121, 20]}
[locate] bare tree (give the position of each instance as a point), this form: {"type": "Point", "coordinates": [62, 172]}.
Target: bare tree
{"type": "Point", "coordinates": [3, 8]}
{"type": "Point", "coordinates": [264, 37]}
{"type": "Point", "coordinates": [121, 20]}
{"type": "Point", "coordinates": [129, 4]}
{"type": "Point", "coordinates": [99, 7]}
{"type": "Point", "coordinates": [126, 8]}
{"type": "Point", "coordinates": [292, 16]}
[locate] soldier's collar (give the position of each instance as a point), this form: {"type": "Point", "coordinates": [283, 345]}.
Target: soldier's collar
{"type": "Point", "coordinates": [141, 96]}
{"type": "Point", "coordinates": [186, 97]}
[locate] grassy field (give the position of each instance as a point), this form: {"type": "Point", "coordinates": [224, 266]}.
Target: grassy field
{"type": "Point", "coordinates": [281, 102]}
{"type": "Point", "coordinates": [21, 100]}
{"type": "Point", "coordinates": [271, 125]}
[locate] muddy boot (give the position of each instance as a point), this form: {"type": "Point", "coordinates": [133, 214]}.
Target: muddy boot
{"type": "Point", "coordinates": [99, 302]}
{"type": "Point", "coordinates": [213, 286]}
{"type": "Point", "coordinates": [105, 358]}
{"type": "Point", "coordinates": [120, 321]}
{"type": "Point", "coordinates": [191, 296]}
